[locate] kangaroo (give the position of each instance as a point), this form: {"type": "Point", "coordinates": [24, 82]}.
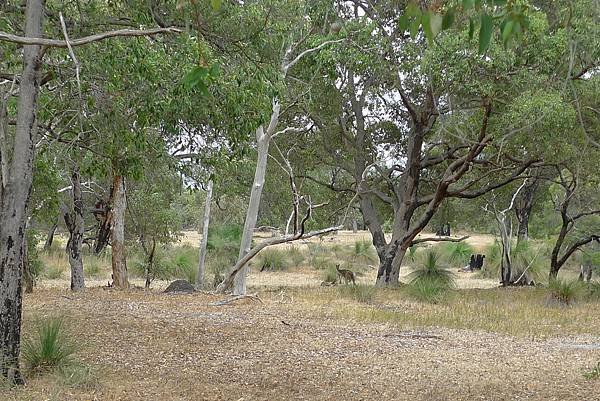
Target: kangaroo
{"type": "Point", "coordinates": [347, 275]}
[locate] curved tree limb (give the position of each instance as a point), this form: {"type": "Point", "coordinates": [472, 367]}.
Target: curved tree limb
{"type": "Point", "coordinates": [7, 37]}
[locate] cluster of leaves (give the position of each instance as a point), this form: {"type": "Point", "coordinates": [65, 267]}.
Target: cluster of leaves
{"type": "Point", "coordinates": [512, 18]}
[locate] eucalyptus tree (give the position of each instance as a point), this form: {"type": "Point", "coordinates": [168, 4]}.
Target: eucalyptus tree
{"type": "Point", "coordinates": [413, 123]}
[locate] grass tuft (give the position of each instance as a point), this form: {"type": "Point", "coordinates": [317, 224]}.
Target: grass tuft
{"type": "Point", "coordinates": [593, 374]}
{"type": "Point", "coordinates": [50, 348]}
{"type": "Point", "coordinates": [563, 291]}
{"type": "Point", "coordinates": [272, 260]}
{"type": "Point", "coordinates": [361, 292]}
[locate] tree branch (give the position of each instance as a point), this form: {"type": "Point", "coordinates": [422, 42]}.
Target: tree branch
{"type": "Point", "coordinates": [437, 239]}
{"type": "Point", "coordinates": [7, 37]}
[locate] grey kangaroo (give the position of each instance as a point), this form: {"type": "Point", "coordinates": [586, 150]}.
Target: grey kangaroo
{"type": "Point", "coordinates": [347, 275]}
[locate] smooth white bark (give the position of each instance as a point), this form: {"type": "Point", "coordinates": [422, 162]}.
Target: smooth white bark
{"type": "Point", "coordinates": [204, 239]}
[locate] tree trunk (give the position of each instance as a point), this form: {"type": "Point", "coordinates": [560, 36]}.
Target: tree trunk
{"type": "Point", "coordinates": [388, 274]}
{"type": "Point", "coordinates": [14, 199]}
{"type": "Point", "coordinates": [239, 287]}
{"type": "Point", "coordinates": [119, 262]}
{"type": "Point", "coordinates": [50, 236]}
{"type": "Point", "coordinates": [523, 207]}
{"type": "Point", "coordinates": [204, 240]}
{"type": "Point", "coordinates": [149, 263]}
{"type": "Point", "coordinates": [75, 224]}
{"type": "Point", "coordinates": [354, 226]}
{"type": "Point", "coordinates": [28, 280]}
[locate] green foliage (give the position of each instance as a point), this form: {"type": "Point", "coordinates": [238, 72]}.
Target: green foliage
{"type": "Point", "coordinates": [92, 267]}
{"type": "Point", "coordinates": [295, 255]}
{"type": "Point", "coordinates": [361, 292]}
{"type": "Point", "coordinates": [184, 260]}
{"type": "Point", "coordinates": [224, 237]}
{"type": "Point", "coordinates": [272, 259]}
{"type": "Point", "coordinates": [493, 261]}
{"type": "Point", "coordinates": [428, 290]}
{"type": "Point", "coordinates": [364, 252]}
{"type": "Point", "coordinates": [457, 252]}
{"type": "Point", "coordinates": [594, 373]}
{"type": "Point", "coordinates": [431, 280]}
{"type": "Point", "coordinates": [431, 270]}
{"type": "Point", "coordinates": [563, 291]}
{"type": "Point", "coordinates": [329, 274]}
{"type": "Point", "coordinates": [49, 348]}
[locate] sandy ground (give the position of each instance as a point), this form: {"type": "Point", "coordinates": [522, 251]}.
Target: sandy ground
{"type": "Point", "coordinates": [154, 346]}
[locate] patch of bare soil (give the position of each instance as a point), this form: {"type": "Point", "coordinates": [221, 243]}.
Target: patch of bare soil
{"type": "Point", "coordinates": [155, 346]}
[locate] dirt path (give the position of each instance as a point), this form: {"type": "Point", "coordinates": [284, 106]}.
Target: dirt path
{"type": "Point", "coordinates": [178, 347]}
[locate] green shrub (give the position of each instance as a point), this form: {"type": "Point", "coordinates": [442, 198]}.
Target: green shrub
{"type": "Point", "coordinates": [431, 270]}
{"type": "Point", "coordinates": [493, 261]}
{"type": "Point", "coordinates": [364, 252]}
{"type": "Point", "coordinates": [457, 252]}
{"type": "Point", "coordinates": [321, 263]}
{"type": "Point", "coordinates": [361, 292]}
{"type": "Point", "coordinates": [563, 291]}
{"type": "Point", "coordinates": [296, 256]}
{"type": "Point", "coordinates": [225, 236]}
{"type": "Point", "coordinates": [272, 259]}
{"type": "Point", "coordinates": [329, 274]}
{"type": "Point", "coordinates": [49, 348]}
{"type": "Point", "coordinates": [183, 262]}
{"type": "Point", "coordinates": [428, 290]}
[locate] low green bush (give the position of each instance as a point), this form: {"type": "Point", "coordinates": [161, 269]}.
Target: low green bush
{"type": "Point", "coordinates": [361, 292]}
{"type": "Point", "coordinates": [49, 348]}
{"type": "Point", "coordinates": [272, 260]}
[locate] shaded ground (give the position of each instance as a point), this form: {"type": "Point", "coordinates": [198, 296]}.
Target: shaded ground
{"type": "Point", "coordinates": [153, 346]}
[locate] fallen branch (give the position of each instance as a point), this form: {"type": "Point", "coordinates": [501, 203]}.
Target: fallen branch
{"type": "Point", "coordinates": [253, 297]}
{"type": "Point", "coordinates": [437, 239]}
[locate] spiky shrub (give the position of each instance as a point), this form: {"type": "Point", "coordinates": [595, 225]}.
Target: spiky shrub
{"type": "Point", "coordinates": [329, 274]}
{"type": "Point", "coordinates": [272, 259]}
{"type": "Point", "coordinates": [77, 375]}
{"type": "Point", "coordinates": [428, 291]}
{"type": "Point", "coordinates": [493, 261]}
{"type": "Point", "coordinates": [363, 252]}
{"type": "Point", "coordinates": [432, 270]}
{"type": "Point", "coordinates": [457, 252]}
{"type": "Point", "coordinates": [411, 254]}
{"type": "Point", "coordinates": [528, 259]}
{"type": "Point", "coordinates": [361, 293]}
{"type": "Point", "coordinates": [50, 347]}
{"type": "Point", "coordinates": [184, 262]}
{"type": "Point", "coordinates": [563, 291]}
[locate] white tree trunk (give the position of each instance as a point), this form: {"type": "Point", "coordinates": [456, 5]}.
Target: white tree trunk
{"type": "Point", "coordinates": [119, 261]}
{"type": "Point", "coordinates": [263, 140]}
{"type": "Point", "coordinates": [204, 240]}
{"type": "Point", "coordinates": [14, 198]}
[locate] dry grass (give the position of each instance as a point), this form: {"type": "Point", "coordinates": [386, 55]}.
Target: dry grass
{"type": "Point", "coordinates": [153, 346]}
{"type": "Point", "coordinates": [319, 343]}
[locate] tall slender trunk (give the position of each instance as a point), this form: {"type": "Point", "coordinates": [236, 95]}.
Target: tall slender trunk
{"type": "Point", "coordinates": [14, 199]}
{"type": "Point", "coordinates": [50, 235]}
{"type": "Point", "coordinates": [149, 273]}
{"type": "Point", "coordinates": [75, 224]}
{"type": "Point", "coordinates": [204, 240]}
{"type": "Point", "coordinates": [119, 262]}
{"type": "Point", "coordinates": [523, 207]}
{"type": "Point", "coordinates": [239, 286]}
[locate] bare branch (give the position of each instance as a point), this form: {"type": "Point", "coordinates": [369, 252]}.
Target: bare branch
{"type": "Point", "coordinates": [437, 239]}
{"type": "Point", "coordinates": [7, 37]}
